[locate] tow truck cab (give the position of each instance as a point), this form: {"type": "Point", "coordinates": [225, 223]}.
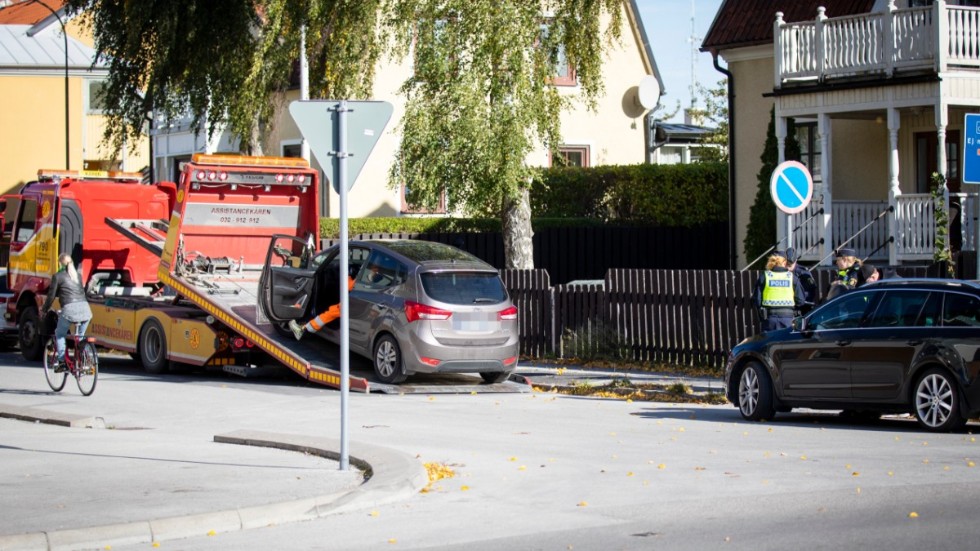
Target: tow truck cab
{"type": "Point", "coordinates": [65, 212]}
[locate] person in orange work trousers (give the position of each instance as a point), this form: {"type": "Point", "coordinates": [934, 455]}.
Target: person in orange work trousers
{"type": "Point", "coordinates": [320, 320]}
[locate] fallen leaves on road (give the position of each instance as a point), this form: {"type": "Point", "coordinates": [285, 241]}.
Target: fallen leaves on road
{"type": "Point", "coordinates": [437, 471]}
{"type": "Point", "coordinates": [627, 390]}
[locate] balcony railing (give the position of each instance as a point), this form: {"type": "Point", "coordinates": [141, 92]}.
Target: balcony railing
{"type": "Point", "coordinates": [881, 43]}
{"type": "Point", "coordinates": [915, 227]}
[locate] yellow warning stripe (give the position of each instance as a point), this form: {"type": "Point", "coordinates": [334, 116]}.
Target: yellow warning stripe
{"type": "Point", "coordinates": [303, 368]}
{"type": "Point", "coordinates": [270, 347]}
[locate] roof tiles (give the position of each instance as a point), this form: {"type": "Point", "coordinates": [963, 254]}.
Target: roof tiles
{"type": "Point", "coordinates": [749, 22]}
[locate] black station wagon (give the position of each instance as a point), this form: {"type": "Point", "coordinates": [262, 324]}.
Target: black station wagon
{"type": "Point", "coordinates": [896, 346]}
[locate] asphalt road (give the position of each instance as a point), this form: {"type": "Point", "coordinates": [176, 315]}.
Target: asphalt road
{"type": "Point", "coordinates": [531, 471]}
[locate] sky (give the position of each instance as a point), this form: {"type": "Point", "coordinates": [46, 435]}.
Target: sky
{"type": "Point", "coordinates": [669, 29]}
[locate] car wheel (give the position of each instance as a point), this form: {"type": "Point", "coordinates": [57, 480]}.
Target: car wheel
{"type": "Point", "coordinates": [29, 334]}
{"type": "Point", "coordinates": [388, 361]}
{"type": "Point", "coordinates": [153, 347]}
{"type": "Point", "coordinates": [755, 393]}
{"type": "Point", "coordinates": [494, 376]}
{"type": "Point", "coordinates": [936, 402]}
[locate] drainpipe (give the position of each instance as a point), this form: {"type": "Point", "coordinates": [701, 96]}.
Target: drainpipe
{"type": "Point", "coordinates": [732, 250]}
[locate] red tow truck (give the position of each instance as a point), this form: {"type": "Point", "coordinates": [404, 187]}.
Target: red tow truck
{"type": "Point", "coordinates": [171, 270]}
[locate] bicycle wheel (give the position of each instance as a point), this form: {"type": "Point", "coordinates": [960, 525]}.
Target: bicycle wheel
{"type": "Point", "coordinates": [55, 380]}
{"type": "Point", "coordinates": [86, 368]}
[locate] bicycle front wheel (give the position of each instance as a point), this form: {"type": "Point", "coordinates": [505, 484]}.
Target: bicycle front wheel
{"type": "Point", "coordinates": [87, 368]}
{"type": "Point", "coordinates": [55, 380]}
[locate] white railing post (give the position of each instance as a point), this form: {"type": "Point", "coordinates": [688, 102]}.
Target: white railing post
{"type": "Point", "coordinates": [941, 23]}
{"type": "Point", "coordinates": [824, 130]}
{"type": "Point", "coordinates": [777, 41]}
{"type": "Point", "coordinates": [818, 38]}
{"type": "Point", "coordinates": [888, 40]}
{"type": "Point", "coordinates": [894, 191]}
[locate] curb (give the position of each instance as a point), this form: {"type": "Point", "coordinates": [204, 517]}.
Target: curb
{"type": "Point", "coordinates": [390, 476]}
{"type": "Point", "coordinates": [47, 417]}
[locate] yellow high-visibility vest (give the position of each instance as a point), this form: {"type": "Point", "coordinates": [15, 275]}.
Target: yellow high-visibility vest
{"type": "Point", "coordinates": [778, 291]}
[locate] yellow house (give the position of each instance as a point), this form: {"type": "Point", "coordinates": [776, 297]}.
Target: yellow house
{"type": "Point", "coordinates": [49, 81]}
{"type": "Point", "coordinates": [616, 133]}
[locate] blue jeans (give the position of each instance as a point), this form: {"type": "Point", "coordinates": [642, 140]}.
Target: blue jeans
{"type": "Point", "coordinates": [61, 332]}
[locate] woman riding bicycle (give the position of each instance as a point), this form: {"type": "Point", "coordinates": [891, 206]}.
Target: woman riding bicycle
{"type": "Point", "coordinates": [66, 286]}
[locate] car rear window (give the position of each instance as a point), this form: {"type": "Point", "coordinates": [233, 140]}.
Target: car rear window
{"type": "Point", "coordinates": [464, 287]}
{"type": "Point", "coordinates": [420, 251]}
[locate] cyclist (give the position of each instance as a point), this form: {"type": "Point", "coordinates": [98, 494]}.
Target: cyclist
{"type": "Point", "coordinates": [66, 286]}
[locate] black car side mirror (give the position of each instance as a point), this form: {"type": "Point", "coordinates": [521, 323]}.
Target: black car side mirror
{"type": "Point", "coordinates": [800, 325]}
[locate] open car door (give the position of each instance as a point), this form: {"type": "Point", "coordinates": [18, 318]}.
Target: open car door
{"type": "Point", "coordinates": [286, 287]}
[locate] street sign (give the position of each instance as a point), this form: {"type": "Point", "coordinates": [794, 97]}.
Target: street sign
{"type": "Point", "coordinates": [791, 187]}
{"type": "Point", "coordinates": [971, 149]}
{"type": "Point", "coordinates": [318, 120]}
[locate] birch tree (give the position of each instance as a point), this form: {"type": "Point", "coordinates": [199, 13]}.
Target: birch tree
{"type": "Point", "coordinates": [225, 61]}
{"type": "Point", "coordinates": [481, 99]}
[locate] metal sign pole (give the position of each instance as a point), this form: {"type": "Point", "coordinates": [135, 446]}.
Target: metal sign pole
{"type": "Point", "coordinates": [341, 187]}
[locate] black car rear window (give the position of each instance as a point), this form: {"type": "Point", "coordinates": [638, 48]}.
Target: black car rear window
{"type": "Point", "coordinates": [464, 287]}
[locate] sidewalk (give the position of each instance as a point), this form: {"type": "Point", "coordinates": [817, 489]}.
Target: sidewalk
{"type": "Point", "coordinates": [119, 468]}
{"type": "Point", "coordinates": [116, 469]}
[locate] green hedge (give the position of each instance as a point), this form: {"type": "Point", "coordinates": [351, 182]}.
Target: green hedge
{"type": "Point", "coordinates": [330, 227]}
{"type": "Point", "coordinates": [662, 195]}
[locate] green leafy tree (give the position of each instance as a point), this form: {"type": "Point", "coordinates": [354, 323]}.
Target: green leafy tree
{"type": "Point", "coordinates": [761, 233]}
{"type": "Point", "coordinates": [480, 99]}
{"type": "Point", "coordinates": [714, 146]}
{"type": "Point", "coordinates": [225, 61]}
{"type": "Point", "coordinates": [941, 253]}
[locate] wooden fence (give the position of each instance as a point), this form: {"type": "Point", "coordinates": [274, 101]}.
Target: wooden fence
{"type": "Point", "coordinates": [576, 253]}
{"type": "Point", "coordinates": [686, 317]}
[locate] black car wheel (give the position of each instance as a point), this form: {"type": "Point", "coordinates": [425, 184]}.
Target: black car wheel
{"type": "Point", "coordinates": [937, 402]}
{"type": "Point", "coordinates": [388, 361]}
{"type": "Point", "coordinates": [755, 393]}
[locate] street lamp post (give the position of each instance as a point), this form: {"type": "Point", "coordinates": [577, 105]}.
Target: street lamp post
{"type": "Point", "coordinates": [64, 33]}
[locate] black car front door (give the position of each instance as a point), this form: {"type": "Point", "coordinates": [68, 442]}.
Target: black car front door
{"type": "Point", "coordinates": [817, 366]}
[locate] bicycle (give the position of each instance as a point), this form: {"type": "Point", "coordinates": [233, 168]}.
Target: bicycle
{"type": "Point", "coordinates": [81, 361]}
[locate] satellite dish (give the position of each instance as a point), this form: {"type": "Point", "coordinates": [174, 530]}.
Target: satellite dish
{"type": "Point", "coordinates": [648, 92]}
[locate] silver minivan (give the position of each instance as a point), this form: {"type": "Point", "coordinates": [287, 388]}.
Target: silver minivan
{"type": "Point", "coordinates": [415, 306]}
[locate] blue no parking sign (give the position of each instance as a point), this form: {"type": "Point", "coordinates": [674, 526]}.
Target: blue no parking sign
{"type": "Point", "coordinates": [791, 187]}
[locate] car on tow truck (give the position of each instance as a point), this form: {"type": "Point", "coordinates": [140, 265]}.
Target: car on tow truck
{"type": "Point", "coordinates": [415, 306]}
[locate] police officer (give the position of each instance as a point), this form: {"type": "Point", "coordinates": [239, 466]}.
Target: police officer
{"type": "Point", "coordinates": [807, 281]}
{"type": "Point", "coordinates": [777, 294]}
{"type": "Point", "coordinates": [848, 273]}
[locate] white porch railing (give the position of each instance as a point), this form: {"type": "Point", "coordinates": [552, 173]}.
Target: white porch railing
{"type": "Point", "coordinates": [877, 43]}
{"type": "Point", "coordinates": [915, 227]}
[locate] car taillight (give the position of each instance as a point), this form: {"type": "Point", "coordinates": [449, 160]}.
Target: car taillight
{"type": "Point", "coordinates": [507, 314]}
{"type": "Point", "coordinates": [415, 311]}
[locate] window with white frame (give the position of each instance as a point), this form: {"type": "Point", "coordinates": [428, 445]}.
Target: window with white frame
{"type": "Point", "coordinates": [571, 155]}
{"type": "Point", "coordinates": [95, 97]}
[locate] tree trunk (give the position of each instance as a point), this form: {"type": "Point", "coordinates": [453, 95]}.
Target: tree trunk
{"type": "Point", "coordinates": [254, 145]}
{"type": "Point", "coordinates": [518, 247]}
